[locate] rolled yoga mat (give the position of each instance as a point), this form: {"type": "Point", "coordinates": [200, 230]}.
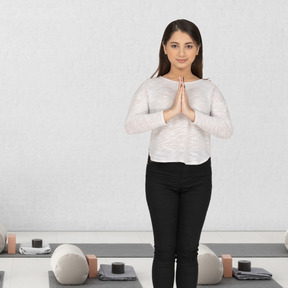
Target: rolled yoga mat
{"type": "Point", "coordinates": [101, 250]}
{"type": "Point", "coordinates": [250, 250]}
{"type": "Point", "coordinates": [95, 282]}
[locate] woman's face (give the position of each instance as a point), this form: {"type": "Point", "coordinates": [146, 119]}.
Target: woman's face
{"type": "Point", "coordinates": [181, 50]}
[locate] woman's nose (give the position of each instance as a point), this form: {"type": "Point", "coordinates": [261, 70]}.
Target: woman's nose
{"type": "Point", "coordinates": [181, 52]}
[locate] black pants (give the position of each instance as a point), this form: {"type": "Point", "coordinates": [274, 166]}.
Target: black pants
{"type": "Point", "coordinates": [178, 197]}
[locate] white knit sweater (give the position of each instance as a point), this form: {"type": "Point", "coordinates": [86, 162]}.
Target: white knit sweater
{"type": "Point", "coordinates": [180, 140]}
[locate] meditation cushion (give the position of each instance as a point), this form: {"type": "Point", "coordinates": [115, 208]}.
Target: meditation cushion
{"type": "Point", "coordinates": [210, 268]}
{"type": "Point", "coordinates": [69, 265]}
{"type": "Point", "coordinates": [286, 239]}
{"type": "Point", "coordinates": [3, 237]}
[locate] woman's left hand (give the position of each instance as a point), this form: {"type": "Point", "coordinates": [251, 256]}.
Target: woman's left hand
{"type": "Point", "coordinates": [186, 109]}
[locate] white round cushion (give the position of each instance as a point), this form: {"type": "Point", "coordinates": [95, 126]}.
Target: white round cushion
{"type": "Point", "coordinates": [210, 267]}
{"type": "Point", "coordinates": [69, 265]}
{"type": "Point", "coordinates": [286, 239]}
{"type": "Point", "coordinates": [3, 237]}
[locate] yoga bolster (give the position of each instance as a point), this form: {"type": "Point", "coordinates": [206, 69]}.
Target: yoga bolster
{"type": "Point", "coordinates": [227, 265]}
{"type": "Point", "coordinates": [209, 265]}
{"type": "Point", "coordinates": [286, 239]}
{"type": "Point", "coordinates": [3, 237]}
{"type": "Point", "coordinates": [69, 265]}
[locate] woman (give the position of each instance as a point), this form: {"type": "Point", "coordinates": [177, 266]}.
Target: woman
{"type": "Point", "coordinates": [182, 109]}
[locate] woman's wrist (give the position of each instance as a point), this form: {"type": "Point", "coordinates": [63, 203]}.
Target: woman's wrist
{"type": "Point", "coordinates": [191, 114]}
{"type": "Point", "coordinates": [168, 114]}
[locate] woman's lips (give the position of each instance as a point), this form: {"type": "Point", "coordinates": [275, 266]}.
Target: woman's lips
{"type": "Point", "coordinates": [181, 60]}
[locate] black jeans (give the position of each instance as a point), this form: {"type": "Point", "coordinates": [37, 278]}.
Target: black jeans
{"type": "Point", "coordinates": [178, 196]}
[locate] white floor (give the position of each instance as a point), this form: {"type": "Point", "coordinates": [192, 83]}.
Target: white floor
{"type": "Point", "coordinates": [33, 273]}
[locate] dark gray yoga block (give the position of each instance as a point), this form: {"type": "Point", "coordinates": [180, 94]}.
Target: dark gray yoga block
{"type": "Point", "coordinates": [37, 243]}
{"type": "Point", "coordinates": [118, 268]}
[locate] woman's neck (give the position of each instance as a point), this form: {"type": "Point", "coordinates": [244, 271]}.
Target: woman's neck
{"type": "Point", "coordinates": [174, 75]}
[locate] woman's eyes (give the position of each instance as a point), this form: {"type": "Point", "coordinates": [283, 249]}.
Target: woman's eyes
{"type": "Point", "coordinates": [188, 46]}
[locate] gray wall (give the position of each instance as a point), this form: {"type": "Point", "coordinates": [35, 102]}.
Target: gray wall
{"type": "Point", "coordinates": [68, 72]}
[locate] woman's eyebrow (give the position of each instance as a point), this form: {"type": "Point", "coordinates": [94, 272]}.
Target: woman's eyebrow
{"type": "Point", "coordinates": [178, 43]}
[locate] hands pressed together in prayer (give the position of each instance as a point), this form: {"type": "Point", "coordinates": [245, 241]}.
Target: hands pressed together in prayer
{"type": "Point", "coordinates": [180, 105]}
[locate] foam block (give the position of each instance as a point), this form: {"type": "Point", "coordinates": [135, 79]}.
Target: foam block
{"type": "Point", "coordinates": [227, 265]}
{"type": "Point", "coordinates": [11, 243]}
{"type": "Point", "coordinates": [93, 267]}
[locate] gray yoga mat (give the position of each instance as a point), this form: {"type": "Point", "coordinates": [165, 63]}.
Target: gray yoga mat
{"type": "Point", "coordinates": [95, 282]}
{"type": "Point", "coordinates": [110, 250]}
{"type": "Point", "coordinates": [225, 282]}
{"type": "Point", "coordinates": [234, 283]}
{"type": "Point", "coordinates": [1, 278]}
{"type": "Point", "coordinates": [250, 250]}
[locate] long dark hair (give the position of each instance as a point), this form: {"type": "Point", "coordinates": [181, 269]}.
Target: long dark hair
{"type": "Point", "coordinates": [192, 30]}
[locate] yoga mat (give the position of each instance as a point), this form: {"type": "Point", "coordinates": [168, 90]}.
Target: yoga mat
{"type": "Point", "coordinates": [95, 282]}
{"type": "Point", "coordinates": [235, 283]}
{"type": "Point", "coordinates": [225, 282]}
{"type": "Point", "coordinates": [111, 250]}
{"type": "Point", "coordinates": [1, 278]}
{"type": "Point", "coordinates": [250, 250]}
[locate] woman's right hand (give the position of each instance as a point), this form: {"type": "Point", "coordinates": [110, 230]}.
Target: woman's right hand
{"type": "Point", "coordinates": [176, 108]}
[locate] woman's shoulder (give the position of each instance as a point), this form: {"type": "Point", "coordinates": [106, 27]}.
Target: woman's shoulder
{"type": "Point", "coordinates": [213, 88]}
{"type": "Point", "coordinates": [210, 84]}
{"type": "Point", "coordinates": [150, 83]}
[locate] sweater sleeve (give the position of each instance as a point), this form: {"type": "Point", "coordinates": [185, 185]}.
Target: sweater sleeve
{"type": "Point", "coordinates": [218, 123]}
{"type": "Point", "coordinates": [139, 119]}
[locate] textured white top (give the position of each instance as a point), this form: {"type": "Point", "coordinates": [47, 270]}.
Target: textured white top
{"type": "Point", "coordinates": [180, 139]}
